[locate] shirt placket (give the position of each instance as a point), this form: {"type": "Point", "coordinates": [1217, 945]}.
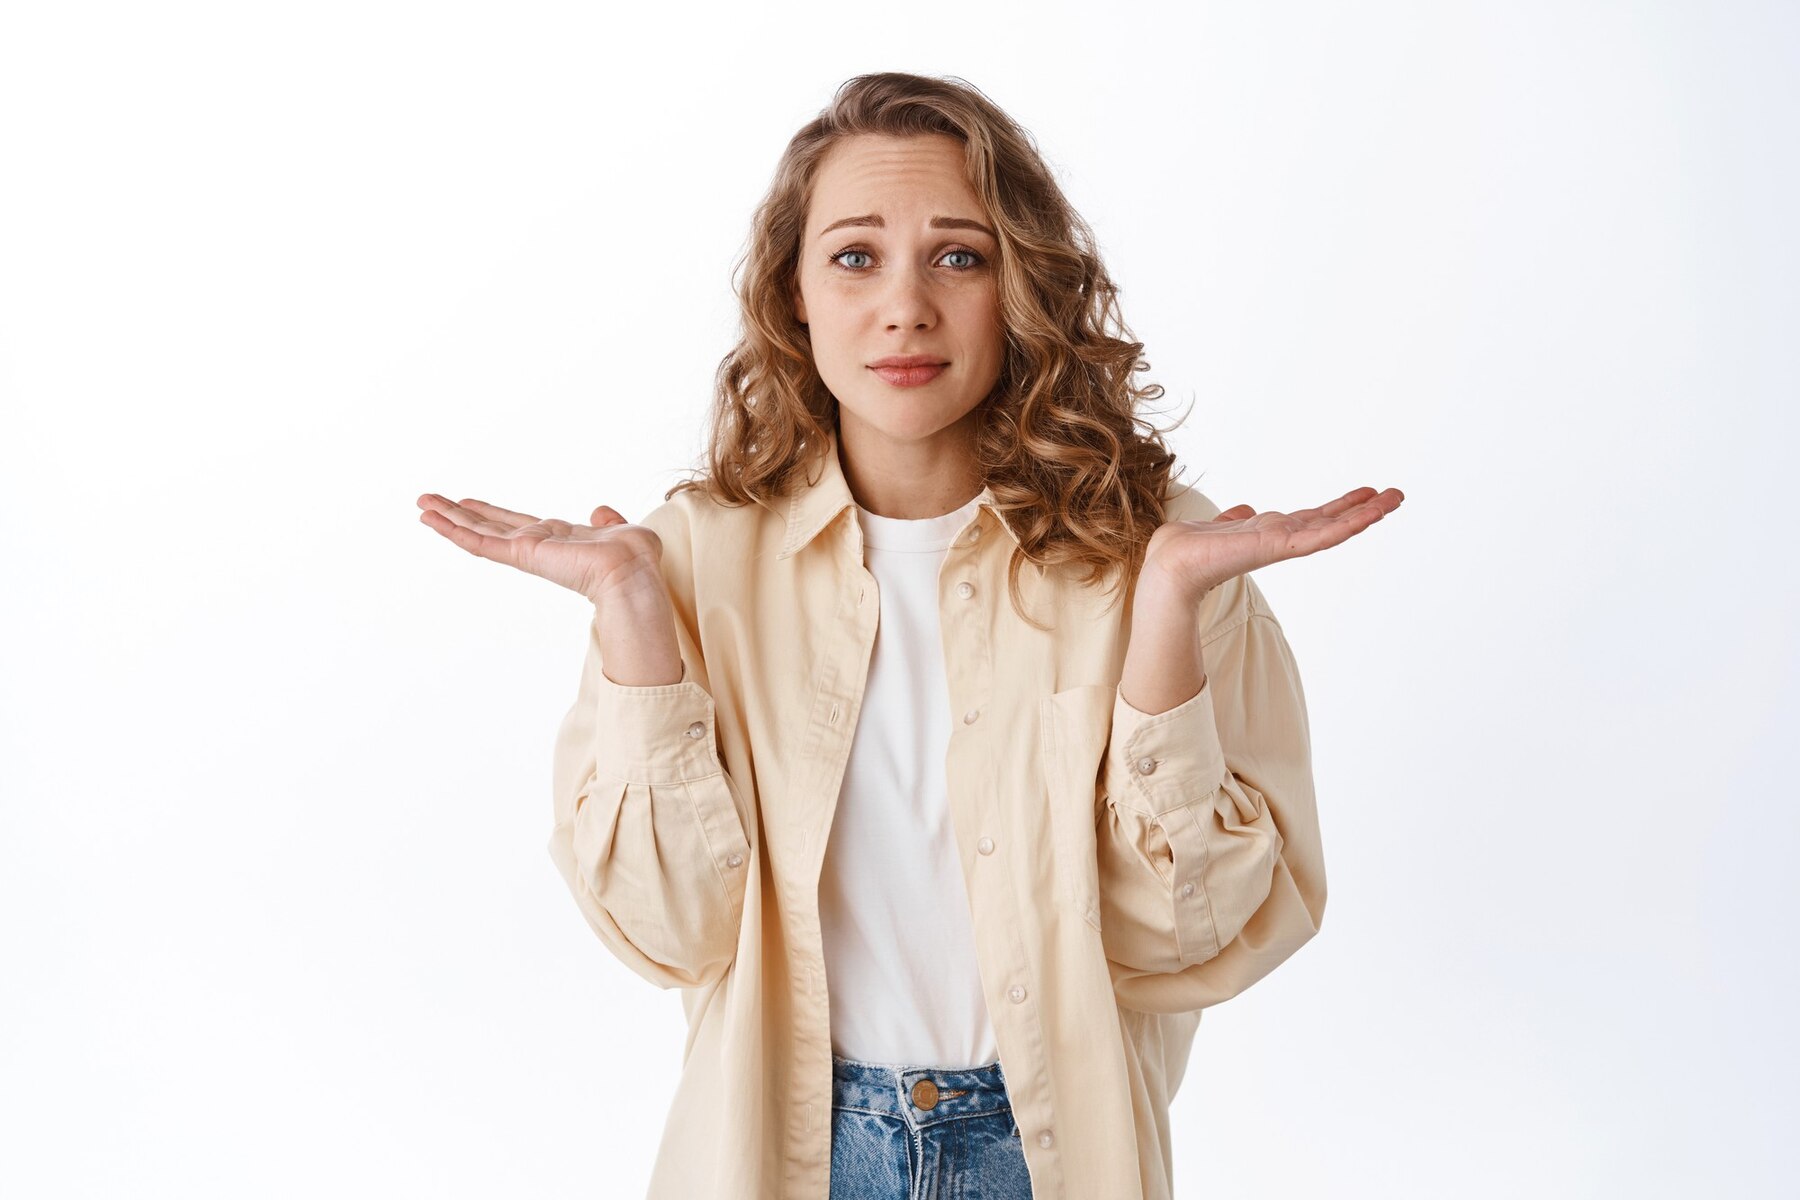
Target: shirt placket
{"type": "Point", "coordinates": [837, 704]}
{"type": "Point", "coordinates": [970, 587]}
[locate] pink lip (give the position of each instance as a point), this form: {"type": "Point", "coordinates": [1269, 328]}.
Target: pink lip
{"type": "Point", "coordinates": [909, 376]}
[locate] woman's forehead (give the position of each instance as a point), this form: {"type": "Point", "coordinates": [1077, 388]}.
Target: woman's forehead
{"type": "Point", "coordinates": [870, 175]}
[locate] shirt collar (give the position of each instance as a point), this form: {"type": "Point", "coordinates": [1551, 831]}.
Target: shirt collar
{"type": "Point", "coordinates": [810, 507]}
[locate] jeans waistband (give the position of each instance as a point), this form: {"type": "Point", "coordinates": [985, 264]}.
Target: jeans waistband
{"type": "Point", "coordinates": [920, 1095]}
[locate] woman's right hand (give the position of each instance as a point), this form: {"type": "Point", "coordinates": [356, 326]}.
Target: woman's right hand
{"type": "Point", "coordinates": [609, 560]}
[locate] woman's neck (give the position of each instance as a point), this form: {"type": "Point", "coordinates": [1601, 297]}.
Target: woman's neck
{"type": "Point", "coordinates": [909, 480]}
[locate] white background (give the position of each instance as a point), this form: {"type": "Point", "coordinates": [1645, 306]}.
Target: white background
{"type": "Point", "coordinates": [276, 913]}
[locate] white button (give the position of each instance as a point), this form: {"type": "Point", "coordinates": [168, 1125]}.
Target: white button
{"type": "Point", "coordinates": [969, 717]}
{"type": "Point", "coordinates": [737, 860]}
{"type": "Point", "coordinates": [1146, 765]}
{"type": "Point", "coordinates": [1187, 889]}
{"type": "Point", "coordinates": [985, 845]}
{"type": "Point", "coordinates": [975, 534]}
{"type": "Point", "coordinates": [1044, 1138]}
{"type": "Point", "coordinates": [834, 714]}
{"type": "Point", "coordinates": [965, 590]}
{"type": "Point", "coordinates": [1017, 993]}
{"type": "Point", "coordinates": [697, 729]}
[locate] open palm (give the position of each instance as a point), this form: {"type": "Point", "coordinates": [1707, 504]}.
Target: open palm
{"type": "Point", "coordinates": [1198, 555]}
{"type": "Point", "coordinates": [605, 559]}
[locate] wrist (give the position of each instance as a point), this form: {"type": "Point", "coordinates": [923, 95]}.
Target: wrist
{"type": "Point", "coordinates": [1160, 588]}
{"type": "Point", "coordinates": [640, 593]}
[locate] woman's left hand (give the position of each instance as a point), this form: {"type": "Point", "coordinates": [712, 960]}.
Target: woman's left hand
{"type": "Point", "coordinates": [1195, 556]}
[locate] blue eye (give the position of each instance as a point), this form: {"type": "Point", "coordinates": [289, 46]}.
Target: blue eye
{"type": "Point", "coordinates": [834, 259]}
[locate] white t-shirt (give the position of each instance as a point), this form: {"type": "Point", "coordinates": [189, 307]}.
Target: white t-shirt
{"type": "Point", "coordinates": [899, 942]}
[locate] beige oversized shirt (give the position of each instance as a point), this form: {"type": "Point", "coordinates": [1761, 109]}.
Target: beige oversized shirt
{"type": "Point", "coordinates": [1124, 870]}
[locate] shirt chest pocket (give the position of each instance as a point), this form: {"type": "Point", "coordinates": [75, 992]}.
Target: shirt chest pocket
{"type": "Point", "coordinates": [1074, 726]}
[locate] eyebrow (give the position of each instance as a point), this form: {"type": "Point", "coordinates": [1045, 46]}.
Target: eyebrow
{"type": "Point", "coordinates": [874, 219]}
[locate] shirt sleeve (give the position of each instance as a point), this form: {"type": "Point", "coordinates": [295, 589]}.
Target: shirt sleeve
{"type": "Point", "coordinates": [649, 826]}
{"type": "Point", "coordinates": [1211, 869]}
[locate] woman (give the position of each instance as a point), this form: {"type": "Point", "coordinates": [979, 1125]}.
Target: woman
{"type": "Point", "coordinates": [945, 846]}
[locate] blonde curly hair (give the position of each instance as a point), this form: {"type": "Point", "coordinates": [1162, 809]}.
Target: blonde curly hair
{"type": "Point", "coordinates": [1079, 476]}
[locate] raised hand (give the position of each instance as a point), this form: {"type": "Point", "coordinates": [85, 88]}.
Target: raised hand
{"type": "Point", "coordinates": [1194, 556]}
{"type": "Point", "coordinates": [610, 559]}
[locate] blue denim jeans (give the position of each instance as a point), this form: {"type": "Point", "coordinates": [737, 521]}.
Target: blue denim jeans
{"type": "Point", "coordinates": [908, 1133]}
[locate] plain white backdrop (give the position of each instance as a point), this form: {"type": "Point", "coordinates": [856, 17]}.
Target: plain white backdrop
{"type": "Point", "coordinates": [276, 914]}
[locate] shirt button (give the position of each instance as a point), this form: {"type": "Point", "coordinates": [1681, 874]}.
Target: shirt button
{"type": "Point", "coordinates": [1017, 994]}
{"type": "Point", "coordinates": [969, 717]}
{"type": "Point", "coordinates": [985, 845]}
{"type": "Point", "coordinates": [1045, 1138]}
{"type": "Point", "coordinates": [965, 590]}
{"type": "Point", "coordinates": [737, 860]}
{"type": "Point", "coordinates": [1187, 889]}
{"type": "Point", "coordinates": [1146, 765]}
{"type": "Point", "coordinates": [975, 534]}
{"type": "Point", "coordinates": [695, 730]}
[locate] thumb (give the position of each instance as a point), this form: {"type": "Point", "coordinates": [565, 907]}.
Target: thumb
{"type": "Point", "coordinates": [606, 514]}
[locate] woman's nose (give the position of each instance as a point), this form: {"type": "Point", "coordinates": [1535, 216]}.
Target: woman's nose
{"type": "Point", "coordinates": [908, 301]}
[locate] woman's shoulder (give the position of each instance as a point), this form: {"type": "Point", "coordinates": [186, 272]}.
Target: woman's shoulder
{"type": "Point", "coordinates": [1185, 502]}
{"type": "Point", "coordinates": [693, 520]}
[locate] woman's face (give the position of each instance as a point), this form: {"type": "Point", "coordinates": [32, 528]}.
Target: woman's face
{"type": "Point", "coordinates": [914, 274]}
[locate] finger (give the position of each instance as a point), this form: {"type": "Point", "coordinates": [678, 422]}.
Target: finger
{"type": "Point", "coordinates": [1333, 508]}
{"type": "Point", "coordinates": [1301, 537]}
{"type": "Point", "coordinates": [1347, 524]}
{"type": "Point", "coordinates": [468, 517]}
{"type": "Point", "coordinates": [1376, 506]}
{"type": "Point", "coordinates": [1237, 512]}
{"type": "Point", "coordinates": [482, 545]}
{"type": "Point", "coordinates": [501, 516]}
